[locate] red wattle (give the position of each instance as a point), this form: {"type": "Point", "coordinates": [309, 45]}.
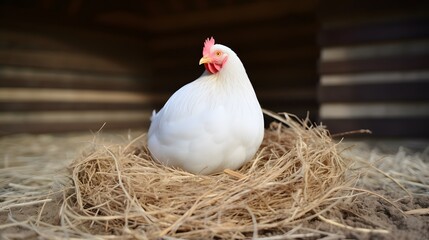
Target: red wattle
{"type": "Point", "coordinates": [212, 68]}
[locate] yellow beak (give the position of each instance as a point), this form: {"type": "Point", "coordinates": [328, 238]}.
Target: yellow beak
{"type": "Point", "coordinates": [205, 60]}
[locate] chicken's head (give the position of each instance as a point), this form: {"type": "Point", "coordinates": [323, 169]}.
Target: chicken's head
{"type": "Point", "coordinates": [214, 57]}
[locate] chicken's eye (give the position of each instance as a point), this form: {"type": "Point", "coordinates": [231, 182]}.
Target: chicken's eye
{"type": "Point", "coordinates": [218, 53]}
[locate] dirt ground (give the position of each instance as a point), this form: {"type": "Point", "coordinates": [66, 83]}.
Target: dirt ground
{"type": "Point", "coordinates": [379, 214]}
{"type": "Point", "coordinates": [392, 212]}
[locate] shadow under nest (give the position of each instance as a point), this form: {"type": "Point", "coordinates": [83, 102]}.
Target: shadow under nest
{"type": "Point", "coordinates": [297, 175]}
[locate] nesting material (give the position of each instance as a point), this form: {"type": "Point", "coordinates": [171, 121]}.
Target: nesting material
{"type": "Point", "coordinates": [297, 174]}
{"type": "Point", "coordinates": [300, 186]}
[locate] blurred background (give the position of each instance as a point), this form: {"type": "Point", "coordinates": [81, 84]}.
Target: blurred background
{"type": "Point", "coordinates": [74, 65]}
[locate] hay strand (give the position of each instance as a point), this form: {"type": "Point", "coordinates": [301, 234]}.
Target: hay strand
{"type": "Point", "coordinates": [364, 230]}
{"type": "Point", "coordinates": [419, 211]}
{"type": "Point", "coordinates": [117, 191]}
{"type": "Point", "coordinates": [297, 172]}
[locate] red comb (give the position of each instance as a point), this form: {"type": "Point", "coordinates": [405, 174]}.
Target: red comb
{"type": "Point", "coordinates": [207, 45]}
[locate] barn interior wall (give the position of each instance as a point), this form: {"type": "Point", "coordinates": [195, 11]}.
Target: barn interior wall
{"type": "Point", "coordinates": [81, 65]}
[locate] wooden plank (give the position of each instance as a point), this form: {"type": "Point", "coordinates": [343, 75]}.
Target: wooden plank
{"type": "Point", "coordinates": [14, 128]}
{"type": "Point", "coordinates": [386, 49]}
{"type": "Point", "coordinates": [386, 127]}
{"type": "Point", "coordinates": [381, 110]}
{"type": "Point", "coordinates": [56, 117]}
{"type": "Point", "coordinates": [24, 40]}
{"type": "Point", "coordinates": [177, 22]}
{"type": "Point", "coordinates": [17, 77]}
{"type": "Point", "coordinates": [75, 30]}
{"type": "Point", "coordinates": [23, 106]}
{"type": "Point", "coordinates": [20, 35]}
{"type": "Point", "coordinates": [270, 96]}
{"type": "Point", "coordinates": [79, 61]}
{"type": "Point", "coordinates": [275, 31]}
{"type": "Point", "coordinates": [375, 78]}
{"type": "Point", "coordinates": [345, 8]}
{"type": "Point", "coordinates": [368, 10]}
{"type": "Point", "coordinates": [375, 32]}
{"type": "Point", "coordinates": [70, 95]}
{"type": "Point", "coordinates": [73, 82]}
{"type": "Point", "coordinates": [393, 63]}
{"type": "Point", "coordinates": [97, 48]}
{"type": "Point", "coordinates": [407, 91]}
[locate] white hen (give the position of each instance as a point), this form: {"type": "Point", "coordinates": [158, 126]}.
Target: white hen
{"type": "Point", "coordinates": [212, 123]}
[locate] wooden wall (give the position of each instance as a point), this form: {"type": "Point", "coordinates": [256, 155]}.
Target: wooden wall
{"type": "Point", "coordinates": [374, 67]}
{"type": "Point", "coordinates": [56, 78]}
{"type": "Point", "coordinates": [276, 40]}
{"type": "Point", "coordinates": [74, 65]}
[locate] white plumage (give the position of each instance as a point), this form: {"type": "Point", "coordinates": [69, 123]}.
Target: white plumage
{"type": "Point", "coordinates": [212, 123]}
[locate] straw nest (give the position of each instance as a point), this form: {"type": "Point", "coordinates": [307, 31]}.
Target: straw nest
{"type": "Point", "coordinates": [297, 175]}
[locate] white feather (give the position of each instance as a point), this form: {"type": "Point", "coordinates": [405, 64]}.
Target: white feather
{"type": "Point", "coordinates": [210, 124]}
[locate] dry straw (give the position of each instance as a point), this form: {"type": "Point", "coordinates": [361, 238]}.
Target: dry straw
{"type": "Point", "coordinates": [297, 175]}
{"type": "Point", "coordinates": [300, 182]}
